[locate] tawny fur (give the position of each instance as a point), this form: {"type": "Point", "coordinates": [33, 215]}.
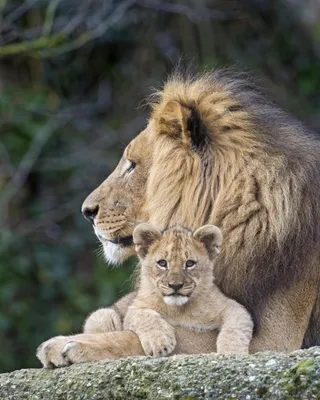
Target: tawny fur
{"type": "Point", "coordinates": [258, 179]}
{"type": "Point", "coordinates": [250, 169]}
{"type": "Point", "coordinates": [204, 306]}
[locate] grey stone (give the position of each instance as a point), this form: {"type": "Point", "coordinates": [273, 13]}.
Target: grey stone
{"type": "Point", "coordinates": [260, 376]}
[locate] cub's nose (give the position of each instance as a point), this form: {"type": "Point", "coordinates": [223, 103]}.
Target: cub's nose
{"type": "Point", "coordinates": [90, 213]}
{"type": "Point", "coordinates": [175, 286]}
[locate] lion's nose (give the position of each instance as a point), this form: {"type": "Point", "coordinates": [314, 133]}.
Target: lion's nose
{"type": "Point", "coordinates": [90, 213]}
{"type": "Point", "coordinates": [175, 286]}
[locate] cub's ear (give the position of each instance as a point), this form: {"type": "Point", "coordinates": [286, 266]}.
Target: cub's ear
{"type": "Point", "coordinates": [143, 236]}
{"type": "Point", "coordinates": [183, 121]}
{"type": "Point", "coordinates": [211, 237]}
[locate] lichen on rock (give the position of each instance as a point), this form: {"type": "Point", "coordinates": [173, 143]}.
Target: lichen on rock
{"type": "Point", "coordinates": [261, 376]}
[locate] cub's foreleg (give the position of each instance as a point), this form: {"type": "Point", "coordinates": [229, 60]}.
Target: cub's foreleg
{"type": "Point", "coordinates": [236, 330]}
{"type": "Point", "coordinates": [156, 335]}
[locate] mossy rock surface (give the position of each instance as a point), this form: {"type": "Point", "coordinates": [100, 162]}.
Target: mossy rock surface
{"type": "Point", "coordinates": [261, 376]}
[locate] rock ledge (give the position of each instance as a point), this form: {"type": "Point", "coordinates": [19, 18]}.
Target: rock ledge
{"type": "Point", "coordinates": [261, 376]}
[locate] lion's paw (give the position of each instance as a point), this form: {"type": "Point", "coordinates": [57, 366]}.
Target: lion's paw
{"type": "Point", "coordinates": [75, 352]}
{"type": "Point", "coordinates": [62, 351]}
{"type": "Point", "coordinates": [49, 352]}
{"type": "Point", "coordinates": [103, 320]}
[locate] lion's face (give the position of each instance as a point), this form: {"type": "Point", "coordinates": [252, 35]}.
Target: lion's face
{"type": "Point", "coordinates": [177, 263]}
{"type": "Point", "coordinates": [117, 204]}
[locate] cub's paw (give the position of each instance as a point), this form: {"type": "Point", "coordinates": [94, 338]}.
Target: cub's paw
{"type": "Point", "coordinates": [232, 350]}
{"type": "Point", "coordinates": [158, 343]}
{"type": "Point", "coordinates": [49, 352]}
{"type": "Point", "coordinates": [103, 320]}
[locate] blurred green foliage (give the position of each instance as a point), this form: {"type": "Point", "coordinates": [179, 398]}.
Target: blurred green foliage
{"type": "Point", "coordinates": [68, 107]}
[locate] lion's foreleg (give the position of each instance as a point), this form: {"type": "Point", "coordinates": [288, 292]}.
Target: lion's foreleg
{"type": "Point", "coordinates": [62, 351]}
{"type": "Point", "coordinates": [109, 319]}
{"type": "Point", "coordinates": [285, 318]}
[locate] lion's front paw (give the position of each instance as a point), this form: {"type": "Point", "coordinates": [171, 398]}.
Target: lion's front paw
{"type": "Point", "coordinates": [62, 351]}
{"type": "Point", "coordinates": [158, 343]}
{"type": "Point", "coordinates": [75, 352]}
{"type": "Point", "coordinates": [103, 320]}
{"type": "Point", "coordinates": [49, 352]}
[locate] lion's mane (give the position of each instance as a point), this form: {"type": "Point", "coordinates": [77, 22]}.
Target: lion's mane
{"type": "Point", "coordinates": [226, 155]}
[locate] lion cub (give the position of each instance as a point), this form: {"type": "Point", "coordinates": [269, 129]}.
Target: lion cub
{"type": "Point", "coordinates": [176, 290]}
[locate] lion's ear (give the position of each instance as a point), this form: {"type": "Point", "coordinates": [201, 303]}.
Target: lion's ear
{"type": "Point", "coordinates": [183, 121]}
{"type": "Point", "coordinates": [211, 237]}
{"type": "Point", "coordinates": [143, 236]}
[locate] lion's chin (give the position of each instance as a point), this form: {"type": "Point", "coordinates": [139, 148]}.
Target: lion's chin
{"type": "Point", "coordinates": [116, 253]}
{"type": "Point", "coordinates": [176, 300]}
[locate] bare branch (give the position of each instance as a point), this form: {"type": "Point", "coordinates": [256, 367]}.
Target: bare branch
{"type": "Point", "coordinates": [92, 34]}
{"type": "Point", "coordinates": [27, 162]}
{"type": "Point", "coordinates": [194, 14]}
{"type": "Point", "coordinates": [49, 18]}
{"type": "Point", "coordinates": [20, 11]}
{"type": "Point", "coordinates": [32, 45]}
{"type": "Point", "coordinates": [6, 160]}
{"type": "Point", "coordinates": [48, 46]}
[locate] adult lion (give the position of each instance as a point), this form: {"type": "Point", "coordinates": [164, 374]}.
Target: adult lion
{"type": "Point", "coordinates": [215, 151]}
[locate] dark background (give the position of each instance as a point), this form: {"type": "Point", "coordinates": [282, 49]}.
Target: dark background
{"type": "Point", "coordinates": [73, 74]}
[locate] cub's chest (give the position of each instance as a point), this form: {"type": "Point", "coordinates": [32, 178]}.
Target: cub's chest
{"type": "Point", "coordinates": [194, 321]}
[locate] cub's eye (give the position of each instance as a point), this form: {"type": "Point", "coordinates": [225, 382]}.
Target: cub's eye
{"type": "Point", "coordinates": [162, 264]}
{"type": "Point", "coordinates": [190, 264]}
{"type": "Point", "coordinates": [132, 167]}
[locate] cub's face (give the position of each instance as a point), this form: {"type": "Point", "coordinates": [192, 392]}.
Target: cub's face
{"type": "Point", "coordinates": [177, 263]}
{"type": "Point", "coordinates": [178, 267]}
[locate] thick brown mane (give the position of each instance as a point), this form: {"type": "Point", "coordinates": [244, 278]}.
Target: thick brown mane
{"type": "Point", "coordinates": [226, 155]}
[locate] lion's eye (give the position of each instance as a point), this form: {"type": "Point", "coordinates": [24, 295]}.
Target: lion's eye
{"type": "Point", "coordinates": [132, 167]}
{"type": "Point", "coordinates": [162, 264]}
{"type": "Point", "coordinates": [190, 264]}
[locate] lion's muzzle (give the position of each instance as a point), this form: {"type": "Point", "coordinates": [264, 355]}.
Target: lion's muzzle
{"type": "Point", "coordinates": [123, 241]}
